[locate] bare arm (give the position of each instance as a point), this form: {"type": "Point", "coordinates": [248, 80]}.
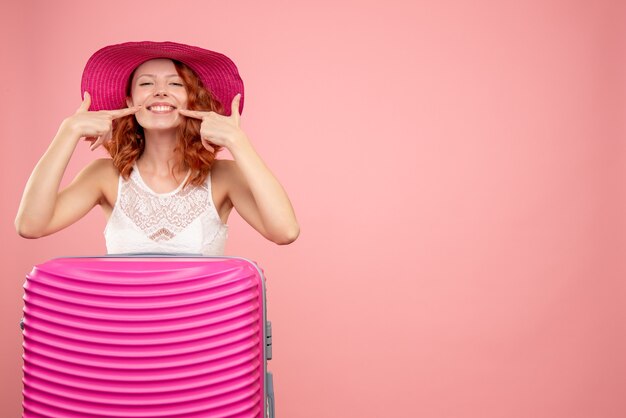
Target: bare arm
{"type": "Point", "coordinates": [253, 190]}
{"type": "Point", "coordinates": [43, 210]}
{"type": "Point", "coordinates": [259, 197]}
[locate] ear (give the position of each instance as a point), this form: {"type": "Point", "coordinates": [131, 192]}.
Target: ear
{"type": "Point", "coordinates": [129, 102]}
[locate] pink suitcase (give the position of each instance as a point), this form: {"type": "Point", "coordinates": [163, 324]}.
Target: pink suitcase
{"type": "Point", "coordinates": [146, 336]}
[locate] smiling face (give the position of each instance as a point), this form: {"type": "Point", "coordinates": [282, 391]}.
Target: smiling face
{"type": "Point", "coordinates": [157, 86]}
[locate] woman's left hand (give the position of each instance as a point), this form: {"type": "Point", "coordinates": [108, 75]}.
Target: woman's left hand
{"type": "Point", "coordinates": [218, 129]}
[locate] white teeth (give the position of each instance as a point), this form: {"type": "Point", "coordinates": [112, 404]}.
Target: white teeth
{"type": "Point", "coordinates": [161, 108]}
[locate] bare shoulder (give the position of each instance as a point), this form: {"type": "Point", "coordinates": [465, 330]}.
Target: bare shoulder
{"type": "Point", "coordinates": [103, 175]}
{"type": "Point", "coordinates": [221, 166]}
{"type": "Point", "coordinates": [101, 169]}
{"type": "Point", "coordinates": [224, 173]}
{"type": "Point", "coordinates": [100, 165]}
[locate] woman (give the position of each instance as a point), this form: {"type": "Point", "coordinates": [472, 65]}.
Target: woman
{"type": "Point", "coordinates": [162, 110]}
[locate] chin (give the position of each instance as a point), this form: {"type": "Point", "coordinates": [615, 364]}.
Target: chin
{"type": "Point", "coordinates": [151, 126]}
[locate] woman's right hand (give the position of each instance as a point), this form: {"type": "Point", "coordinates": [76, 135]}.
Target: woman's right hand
{"type": "Point", "coordinates": [95, 127]}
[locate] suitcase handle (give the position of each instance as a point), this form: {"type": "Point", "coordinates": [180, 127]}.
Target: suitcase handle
{"type": "Point", "coordinates": [151, 254]}
{"type": "Point", "coordinates": [269, 412]}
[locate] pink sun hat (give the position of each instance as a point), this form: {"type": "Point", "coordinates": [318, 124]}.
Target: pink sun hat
{"type": "Point", "coordinates": [107, 71]}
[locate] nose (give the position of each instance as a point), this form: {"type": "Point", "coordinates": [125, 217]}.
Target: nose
{"type": "Point", "coordinates": [160, 90]}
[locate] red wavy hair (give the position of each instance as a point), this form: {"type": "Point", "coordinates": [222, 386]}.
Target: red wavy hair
{"type": "Point", "coordinates": [128, 141]}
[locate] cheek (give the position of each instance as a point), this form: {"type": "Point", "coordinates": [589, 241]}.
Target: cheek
{"type": "Point", "coordinates": [141, 118]}
{"type": "Point", "coordinates": [140, 99]}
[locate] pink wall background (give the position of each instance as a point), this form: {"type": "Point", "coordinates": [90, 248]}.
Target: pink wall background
{"type": "Point", "coordinates": [457, 168]}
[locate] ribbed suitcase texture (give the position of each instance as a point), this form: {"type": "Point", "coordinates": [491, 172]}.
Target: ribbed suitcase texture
{"type": "Point", "coordinates": [146, 337]}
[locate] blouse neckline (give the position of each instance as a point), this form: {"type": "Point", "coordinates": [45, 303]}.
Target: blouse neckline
{"type": "Point", "coordinates": [177, 189]}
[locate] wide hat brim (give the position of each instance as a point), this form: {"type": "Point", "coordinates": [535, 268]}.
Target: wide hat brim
{"type": "Point", "coordinates": [107, 71]}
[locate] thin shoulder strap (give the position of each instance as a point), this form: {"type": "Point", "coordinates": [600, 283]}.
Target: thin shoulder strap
{"type": "Point", "coordinates": [120, 180]}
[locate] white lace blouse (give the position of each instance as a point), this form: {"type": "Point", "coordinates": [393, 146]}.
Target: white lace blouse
{"type": "Point", "coordinates": [181, 221]}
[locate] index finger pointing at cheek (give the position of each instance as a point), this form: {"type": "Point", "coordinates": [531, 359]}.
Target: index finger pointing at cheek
{"type": "Point", "coordinates": [192, 113]}
{"type": "Point", "coordinates": [124, 112]}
